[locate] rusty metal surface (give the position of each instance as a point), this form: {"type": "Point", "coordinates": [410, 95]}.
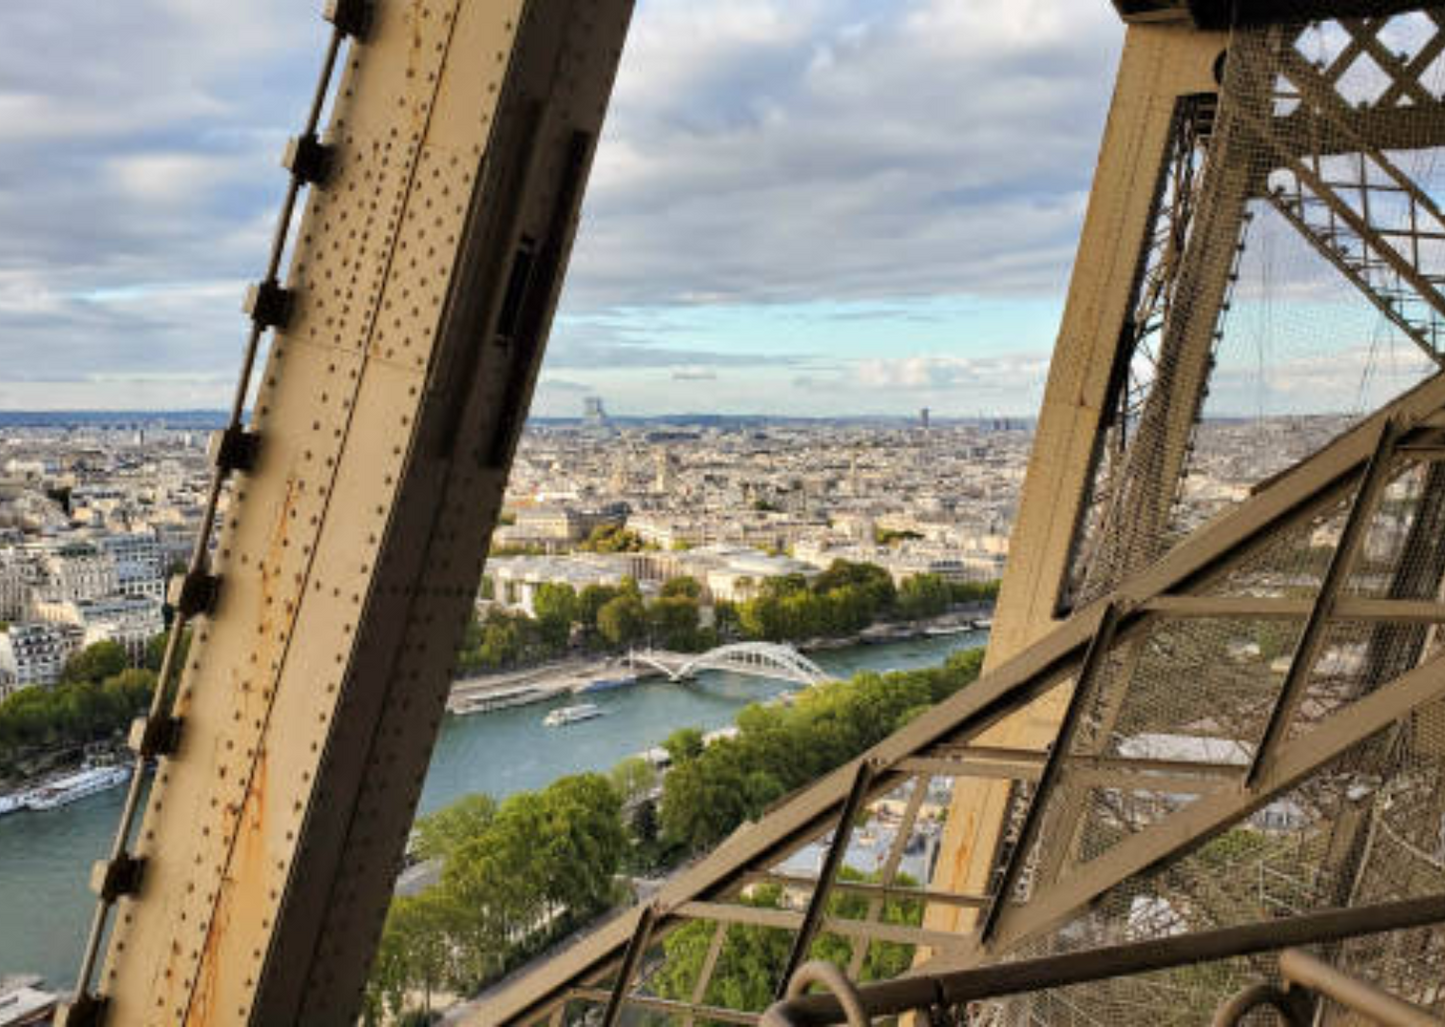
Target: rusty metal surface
{"type": "Point", "coordinates": [350, 553]}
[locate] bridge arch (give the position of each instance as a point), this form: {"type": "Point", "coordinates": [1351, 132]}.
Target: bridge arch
{"type": "Point", "coordinates": [753, 659]}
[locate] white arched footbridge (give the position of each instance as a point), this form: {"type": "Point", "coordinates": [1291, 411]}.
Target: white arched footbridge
{"type": "Point", "coordinates": [755, 659]}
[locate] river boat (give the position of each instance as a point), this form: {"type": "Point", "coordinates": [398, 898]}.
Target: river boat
{"type": "Point", "coordinates": [879, 634]}
{"type": "Point", "coordinates": [73, 787]}
{"type": "Point", "coordinates": [608, 684]}
{"type": "Point", "coordinates": [943, 630]}
{"type": "Point", "coordinates": [11, 803]}
{"type": "Point", "coordinates": [23, 1002]}
{"type": "Point", "coordinates": [498, 699]}
{"type": "Point", "coordinates": [572, 714]}
{"type": "Point", "coordinates": [983, 623]}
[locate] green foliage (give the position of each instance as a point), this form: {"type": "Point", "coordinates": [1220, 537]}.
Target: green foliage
{"type": "Point", "coordinates": [745, 977]}
{"type": "Point", "coordinates": [155, 650]}
{"type": "Point", "coordinates": [633, 778]}
{"type": "Point", "coordinates": [515, 550]}
{"type": "Point", "coordinates": [590, 601]}
{"type": "Point", "coordinates": [40, 719]}
{"type": "Point", "coordinates": [612, 538]}
{"type": "Point", "coordinates": [710, 791]}
{"type": "Point", "coordinates": [541, 863]}
{"type": "Point", "coordinates": [684, 585]}
{"type": "Point", "coordinates": [683, 744]}
{"type": "Point", "coordinates": [891, 537]}
{"type": "Point", "coordinates": [842, 600]}
{"type": "Point", "coordinates": [95, 663]}
{"type": "Point", "coordinates": [673, 623]}
{"type": "Point", "coordinates": [622, 620]}
{"type": "Point", "coordinates": [556, 607]}
{"type": "Point", "coordinates": [924, 595]}
{"type": "Point", "coordinates": [516, 877]}
{"type": "Point", "coordinates": [414, 955]}
{"type": "Point", "coordinates": [503, 639]}
{"type": "Point", "coordinates": [440, 834]}
{"type": "Point", "coordinates": [975, 591]}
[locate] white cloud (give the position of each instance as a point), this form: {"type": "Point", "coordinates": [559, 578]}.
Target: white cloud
{"type": "Point", "coordinates": [757, 150]}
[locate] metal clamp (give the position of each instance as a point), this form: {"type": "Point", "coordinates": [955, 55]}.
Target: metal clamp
{"type": "Point", "coordinates": [120, 876]}
{"type": "Point", "coordinates": [234, 449]}
{"type": "Point", "coordinates": [195, 593]}
{"type": "Point", "coordinates": [1292, 1007]}
{"type": "Point", "coordinates": [819, 971]}
{"type": "Point", "coordinates": [268, 304]}
{"type": "Point", "coordinates": [308, 159]}
{"type": "Point", "coordinates": [352, 17]}
{"type": "Point", "coordinates": [155, 736]}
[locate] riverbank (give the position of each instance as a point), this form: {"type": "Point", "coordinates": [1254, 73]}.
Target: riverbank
{"type": "Point", "coordinates": [488, 693]}
{"type": "Point", "coordinates": [45, 904]}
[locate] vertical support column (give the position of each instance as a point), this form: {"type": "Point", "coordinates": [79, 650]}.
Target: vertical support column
{"type": "Point", "coordinates": [1160, 64]}
{"type": "Point", "coordinates": [425, 274]}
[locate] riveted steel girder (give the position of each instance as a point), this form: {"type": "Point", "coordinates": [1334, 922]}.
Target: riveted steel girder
{"type": "Point", "coordinates": [421, 291]}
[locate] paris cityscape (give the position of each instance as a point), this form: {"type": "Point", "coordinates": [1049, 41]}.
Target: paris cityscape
{"type": "Point", "coordinates": [98, 513]}
{"type": "Point", "coordinates": [95, 516]}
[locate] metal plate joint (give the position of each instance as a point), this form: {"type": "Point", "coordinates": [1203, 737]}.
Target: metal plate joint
{"type": "Point", "coordinates": [352, 17]}
{"type": "Point", "coordinates": [151, 737]}
{"type": "Point", "coordinates": [195, 594]}
{"type": "Point", "coordinates": [234, 449]}
{"type": "Point", "coordinates": [308, 159]}
{"type": "Point", "coordinates": [120, 876]}
{"type": "Point", "coordinates": [268, 304]}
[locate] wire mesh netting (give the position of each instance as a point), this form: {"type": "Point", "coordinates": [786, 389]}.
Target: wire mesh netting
{"type": "Point", "coordinates": [1367, 827]}
{"type": "Point", "coordinates": [1290, 284]}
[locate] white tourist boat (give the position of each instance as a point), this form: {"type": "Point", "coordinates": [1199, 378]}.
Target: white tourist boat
{"type": "Point", "coordinates": [73, 787]}
{"type": "Point", "coordinates": [11, 803]}
{"type": "Point", "coordinates": [498, 699]}
{"type": "Point", "coordinates": [25, 1003]}
{"type": "Point", "coordinates": [572, 714]}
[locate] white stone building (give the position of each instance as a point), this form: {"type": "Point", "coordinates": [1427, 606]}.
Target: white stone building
{"type": "Point", "coordinates": [35, 654]}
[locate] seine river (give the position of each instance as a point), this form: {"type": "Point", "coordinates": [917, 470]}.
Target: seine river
{"type": "Point", "coordinates": [45, 904]}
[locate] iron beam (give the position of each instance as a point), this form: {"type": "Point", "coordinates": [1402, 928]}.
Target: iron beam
{"type": "Point", "coordinates": [956, 988]}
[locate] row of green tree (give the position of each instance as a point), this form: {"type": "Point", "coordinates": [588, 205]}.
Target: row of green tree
{"type": "Point", "coordinates": [99, 693]}
{"type": "Point", "coordinates": [710, 790]}
{"type": "Point", "coordinates": [598, 618]}
{"type": "Point", "coordinates": [841, 601]}
{"type": "Point", "coordinates": [516, 877]}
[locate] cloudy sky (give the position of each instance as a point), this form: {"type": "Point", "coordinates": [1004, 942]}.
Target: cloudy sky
{"type": "Point", "coordinates": [801, 206]}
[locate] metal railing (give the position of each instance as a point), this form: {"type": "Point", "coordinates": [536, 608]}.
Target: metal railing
{"type": "Point", "coordinates": [936, 994]}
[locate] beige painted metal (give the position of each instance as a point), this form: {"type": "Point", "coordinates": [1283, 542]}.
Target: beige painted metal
{"type": "Point", "coordinates": [349, 558]}
{"type": "Point", "coordinates": [1160, 63]}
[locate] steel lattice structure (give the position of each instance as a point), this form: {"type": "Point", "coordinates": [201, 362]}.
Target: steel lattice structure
{"type": "Point", "coordinates": [1303, 804]}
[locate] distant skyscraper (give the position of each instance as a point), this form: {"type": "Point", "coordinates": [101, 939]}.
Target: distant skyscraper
{"type": "Point", "coordinates": [593, 413]}
{"type": "Point", "coordinates": [923, 418]}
